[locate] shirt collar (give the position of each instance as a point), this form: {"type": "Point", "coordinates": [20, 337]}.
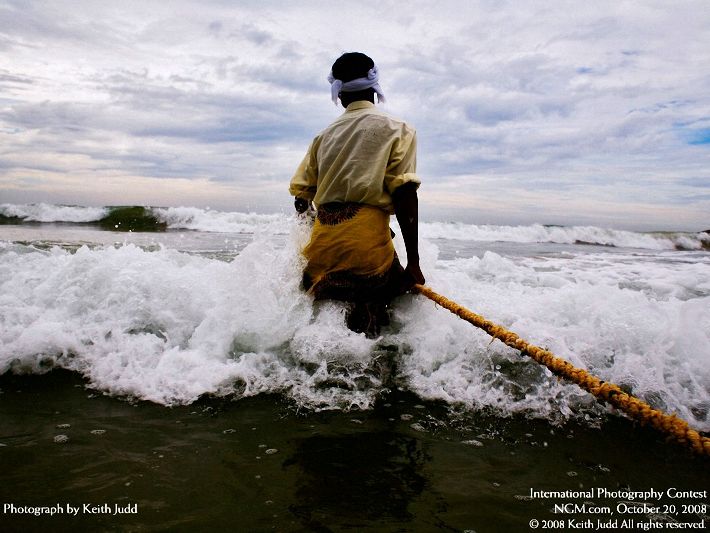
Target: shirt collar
{"type": "Point", "coordinates": [359, 104]}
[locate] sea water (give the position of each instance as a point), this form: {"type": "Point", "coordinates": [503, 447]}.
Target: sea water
{"type": "Point", "coordinates": [168, 317]}
{"type": "Point", "coordinates": [212, 310]}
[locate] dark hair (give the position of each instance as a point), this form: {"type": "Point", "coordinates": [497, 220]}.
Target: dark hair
{"type": "Point", "coordinates": [352, 65]}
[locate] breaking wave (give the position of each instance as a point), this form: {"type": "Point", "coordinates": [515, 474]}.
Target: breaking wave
{"type": "Point", "coordinates": [138, 218]}
{"type": "Point", "coordinates": [169, 327]}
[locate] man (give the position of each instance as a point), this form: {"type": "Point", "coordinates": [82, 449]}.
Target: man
{"type": "Point", "coordinates": [357, 172]}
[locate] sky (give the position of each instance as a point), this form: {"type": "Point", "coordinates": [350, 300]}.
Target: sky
{"type": "Point", "coordinates": [552, 112]}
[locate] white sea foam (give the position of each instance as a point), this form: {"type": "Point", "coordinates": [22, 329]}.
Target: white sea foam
{"type": "Point", "coordinates": [225, 222]}
{"type": "Point", "coordinates": [168, 327]}
{"type": "Point", "coordinates": [208, 220]}
{"type": "Point", "coordinates": [565, 235]}
{"type": "Point", "coordinates": [651, 338]}
{"type": "Point", "coordinates": [235, 222]}
{"type": "Point", "coordinates": [53, 213]}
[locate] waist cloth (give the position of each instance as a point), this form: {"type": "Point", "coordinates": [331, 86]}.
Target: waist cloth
{"type": "Point", "coordinates": [351, 256]}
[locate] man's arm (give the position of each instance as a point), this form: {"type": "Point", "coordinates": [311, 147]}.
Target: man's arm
{"type": "Point", "coordinates": [304, 182]}
{"type": "Point", "coordinates": [301, 205]}
{"type": "Point", "coordinates": [406, 209]}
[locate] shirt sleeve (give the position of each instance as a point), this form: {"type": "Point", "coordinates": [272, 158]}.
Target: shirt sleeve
{"type": "Point", "coordinates": [305, 181]}
{"type": "Point", "coordinates": [402, 164]}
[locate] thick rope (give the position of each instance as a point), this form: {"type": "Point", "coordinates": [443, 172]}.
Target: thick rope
{"type": "Point", "coordinates": [671, 425]}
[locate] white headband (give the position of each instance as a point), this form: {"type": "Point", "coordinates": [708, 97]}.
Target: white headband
{"type": "Point", "coordinates": [359, 84]}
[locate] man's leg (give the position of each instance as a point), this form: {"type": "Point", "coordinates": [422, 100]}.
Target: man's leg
{"type": "Point", "coordinates": [367, 317]}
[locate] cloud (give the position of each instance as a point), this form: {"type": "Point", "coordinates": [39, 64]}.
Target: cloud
{"type": "Point", "coordinates": [541, 104]}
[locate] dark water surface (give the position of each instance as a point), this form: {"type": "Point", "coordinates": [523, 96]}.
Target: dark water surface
{"type": "Point", "coordinates": [257, 464]}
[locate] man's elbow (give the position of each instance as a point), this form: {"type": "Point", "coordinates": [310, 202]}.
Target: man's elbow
{"type": "Point", "coordinates": [407, 190]}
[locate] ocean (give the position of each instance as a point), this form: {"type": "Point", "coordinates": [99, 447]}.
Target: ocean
{"type": "Point", "coordinates": [165, 362]}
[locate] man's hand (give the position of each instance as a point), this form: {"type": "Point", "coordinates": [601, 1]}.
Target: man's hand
{"type": "Point", "coordinates": [412, 276]}
{"type": "Point", "coordinates": [415, 273]}
{"type": "Point", "coordinates": [301, 205]}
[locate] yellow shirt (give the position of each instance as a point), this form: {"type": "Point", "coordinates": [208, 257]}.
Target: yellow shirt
{"type": "Point", "coordinates": [362, 157]}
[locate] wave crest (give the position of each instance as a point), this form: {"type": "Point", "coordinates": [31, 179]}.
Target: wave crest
{"type": "Point", "coordinates": [138, 218]}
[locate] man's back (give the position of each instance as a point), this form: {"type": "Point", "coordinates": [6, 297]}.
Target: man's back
{"type": "Point", "coordinates": [362, 157]}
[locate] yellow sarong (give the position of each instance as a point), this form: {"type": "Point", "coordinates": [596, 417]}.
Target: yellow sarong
{"type": "Point", "coordinates": [351, 256]}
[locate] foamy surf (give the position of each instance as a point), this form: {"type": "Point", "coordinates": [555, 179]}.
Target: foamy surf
{"type": "Point", "coordinates": [52, 213]}
{"type": "Point", "coordinates": [169, 327]}
{"type": "Point", "coordinates": [139, 218]}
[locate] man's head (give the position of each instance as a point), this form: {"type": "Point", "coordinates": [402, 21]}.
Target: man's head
{"type": "Point", "coordinates": [352, 65]}
{"type": "Point", "coordinates": [358, 75]}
